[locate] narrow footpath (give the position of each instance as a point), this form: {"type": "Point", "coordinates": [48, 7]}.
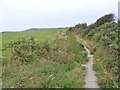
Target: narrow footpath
{"type": "Point", "coordinates": [90, 77]}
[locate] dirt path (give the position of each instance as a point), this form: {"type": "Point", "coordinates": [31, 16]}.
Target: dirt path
{"type": "Point", "coordinates": [90, 77]}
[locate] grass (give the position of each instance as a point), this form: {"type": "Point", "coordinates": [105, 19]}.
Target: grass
{"type": "Point", "coordinates": [103, 42]}
{"type": "Point", "coordinates": [0, 61]}
{"type": "Point", "coordinates": [59, 67]}
{"type": "Point", "coordinates": [107, 72]}
{"type": "Point", "coordinates": [41, 35]}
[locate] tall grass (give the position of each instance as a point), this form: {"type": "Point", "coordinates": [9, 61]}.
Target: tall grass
{"type": "Point", "coordinates": [50, 64]}
{"type": "Point", "coordinates": [104, 44]}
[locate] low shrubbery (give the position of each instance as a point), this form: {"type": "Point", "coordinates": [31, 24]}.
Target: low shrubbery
{"type": "Point", "coordinates": [56, 63]}
{"type": "Point", "coordinates": [102, 38]}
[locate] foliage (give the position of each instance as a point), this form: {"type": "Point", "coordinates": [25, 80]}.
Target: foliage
{"type": "Point", "coordinates": [82, 26]}
{"type": "Point", "coordinates": [49, 64]}
{"type": "Point", "coordinates": [104, 19]}
{"type": "Point", "coordinates": [104, 34]}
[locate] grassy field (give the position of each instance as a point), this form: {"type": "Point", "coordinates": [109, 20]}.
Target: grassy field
{"type": "Point", "coordinates": [47, 58]}
{"type": "Point", "coordinates": [41, 35]}
{"type": "Point", "coordinates": [51, 62]}
{"type": "Point", "coordinates": [7, 37]}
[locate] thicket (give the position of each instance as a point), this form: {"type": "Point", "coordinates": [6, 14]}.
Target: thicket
{"type": "Point", "coordinates": [51, 64]}
{"type": "Point", "coordinates": [105, 35]}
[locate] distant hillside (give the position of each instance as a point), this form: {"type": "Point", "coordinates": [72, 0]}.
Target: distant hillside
{"type": "Point", "coordinates": [39, 29]}
{"type": "Point", "coordinates": [44, 29]}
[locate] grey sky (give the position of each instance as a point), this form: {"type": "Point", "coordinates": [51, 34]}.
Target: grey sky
{"type": "Point", "coordinates": [24, 14]}
{"type": "Point", "coordinates": [119, 9]}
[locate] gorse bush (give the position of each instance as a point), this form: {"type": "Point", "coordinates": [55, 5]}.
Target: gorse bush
{"type": "Point", "coordinates": [104, 35]}
{"type": "Point", "coordinates": [105, 19]}
{"type": "Point", "coordinates": [50, 64]}
{"type": "Point", "coordinates": [23, 49]}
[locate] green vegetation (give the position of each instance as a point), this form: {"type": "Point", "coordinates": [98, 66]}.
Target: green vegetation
{"type": "Point", "coordinates": [41, 62]}
{"type": "Point", "coordinates": [102, 39]}
{"type": "Point", "coordinates": [40, 35]}
{"type": "Point", "coordinates": [53, 58]}
{"type": "Point", "coordinates": [0, 61]}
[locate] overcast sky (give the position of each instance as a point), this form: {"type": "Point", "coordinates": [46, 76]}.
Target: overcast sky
{"type": "Point", "coordinates": [25, 14]}
{"type": "Point", "coordinates": [119, 9]}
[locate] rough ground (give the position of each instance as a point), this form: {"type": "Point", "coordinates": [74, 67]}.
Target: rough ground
{"type": "Point", "coordinates": [90, 78]}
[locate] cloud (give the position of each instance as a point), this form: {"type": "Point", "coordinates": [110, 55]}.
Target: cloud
{"type": "Point", "coordinates": [55, 5]}
{"type": "Point", "coordinates": [20, 14]}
